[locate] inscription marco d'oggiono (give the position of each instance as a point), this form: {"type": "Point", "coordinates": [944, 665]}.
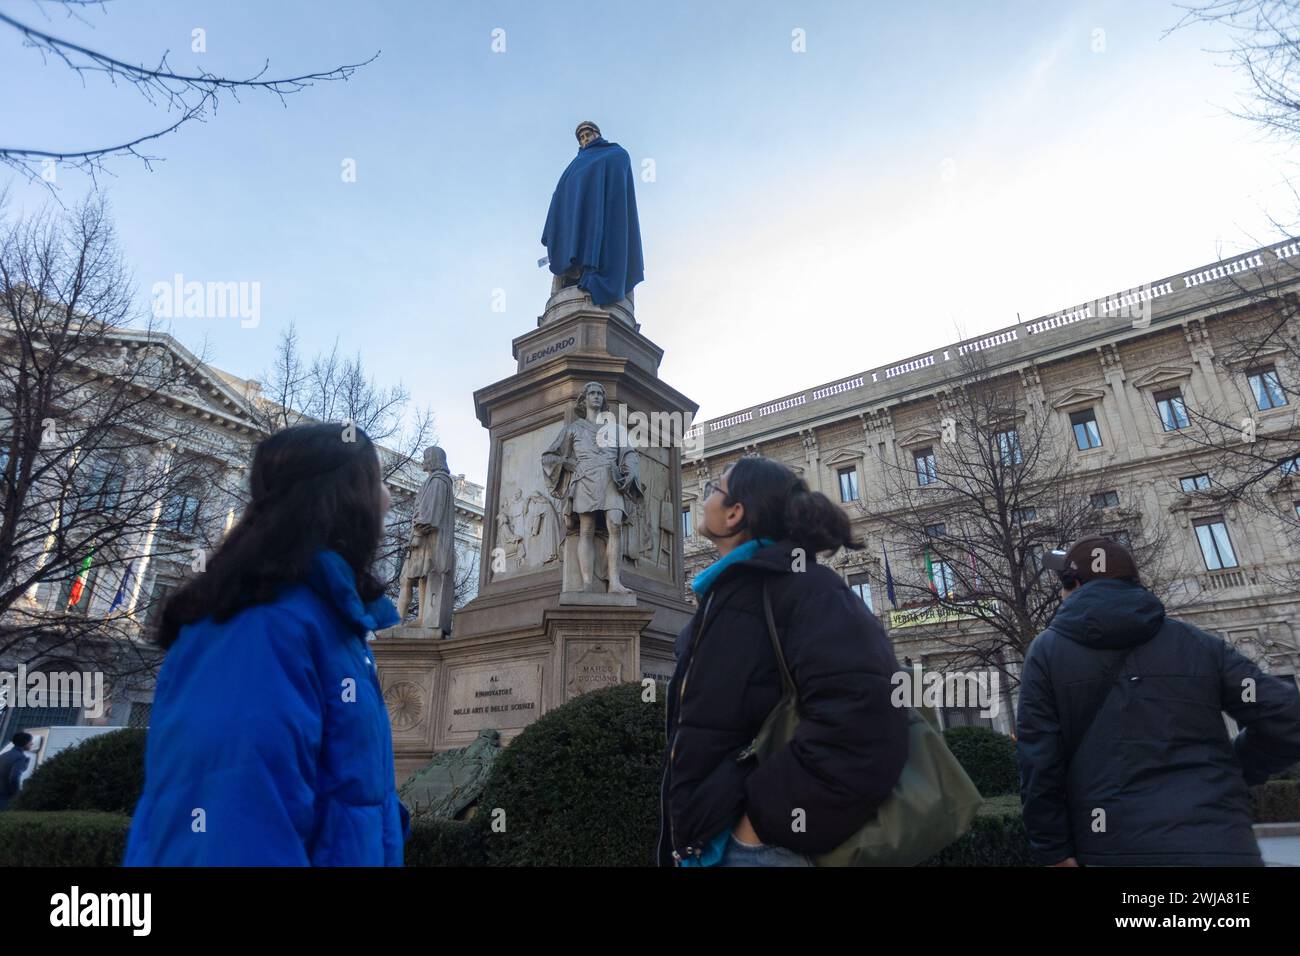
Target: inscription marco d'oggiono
{"type": "Point", "coordinates": [551, 349]}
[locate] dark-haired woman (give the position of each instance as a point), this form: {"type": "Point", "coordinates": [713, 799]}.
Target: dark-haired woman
{"type": "Point", "coordinates": [719, 805]}
{"type": "Point", "coordinates": [269, 742]}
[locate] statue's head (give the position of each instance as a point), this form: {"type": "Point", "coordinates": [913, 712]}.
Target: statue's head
{"type": "Point", "coordinates": [593, 396]}
{"type": "Point", "coordinates": [586, 132]}
{"type": "Point", "coordinates": [435, 459]}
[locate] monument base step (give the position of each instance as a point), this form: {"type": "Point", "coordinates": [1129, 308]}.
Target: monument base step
{"type": "Point", "coordinates": [597, 599]}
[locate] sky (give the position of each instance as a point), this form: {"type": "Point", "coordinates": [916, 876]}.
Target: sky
{"type": "Point", "coordinates": [915, 174]}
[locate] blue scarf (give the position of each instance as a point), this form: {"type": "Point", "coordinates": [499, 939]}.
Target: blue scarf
{"type": "Point", "coordinates": [701, 583]}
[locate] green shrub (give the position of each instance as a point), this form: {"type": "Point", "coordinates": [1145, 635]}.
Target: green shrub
{"type": "Point", "coordinates": [996, 838]}
{"type": "Point", "coordinates": [67, 838]}
{"type": "Point", "coordinates": [580, 785]}
{"type": "Point", "coordinates": [1277, 801]}
{"type": "Point", "coordinates": [445, 843]}
{"type": "Point", "coordinates": [988, 756]}
{"type": "Point", "coordinates": [103, 773]}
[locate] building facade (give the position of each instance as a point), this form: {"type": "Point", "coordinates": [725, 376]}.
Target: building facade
{"type": "Point", "coordinates": [122, 593]}
{"type": "Point", "coordinates": [1119, 375]}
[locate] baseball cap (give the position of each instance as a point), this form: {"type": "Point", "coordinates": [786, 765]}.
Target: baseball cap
{"type": "Point", "coordinates": [1093, 557]}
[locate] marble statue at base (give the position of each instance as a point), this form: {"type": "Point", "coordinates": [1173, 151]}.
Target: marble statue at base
{"type": "Point", "coordinates": [591, 470]}
{"type": "Point", "coordinates": [430, 567]}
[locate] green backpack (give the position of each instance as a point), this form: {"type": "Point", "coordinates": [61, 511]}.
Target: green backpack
{"type": "Point", "coordinates": [932, 803]}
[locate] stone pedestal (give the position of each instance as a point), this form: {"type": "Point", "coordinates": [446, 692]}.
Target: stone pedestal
{"type": "Point", "coordinates": [531, 640]}
{"type": "Point", "coordinates": [414, 632]}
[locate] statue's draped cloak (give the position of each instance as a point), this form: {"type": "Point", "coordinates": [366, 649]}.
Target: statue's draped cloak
{"type": "Point", "coordinates": [592, 223]}
{"type": "Point", "coordinates": [435, 506]}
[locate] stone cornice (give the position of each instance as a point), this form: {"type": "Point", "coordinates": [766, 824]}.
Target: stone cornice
{"type": "Point", "coordinates": [1204, 292]}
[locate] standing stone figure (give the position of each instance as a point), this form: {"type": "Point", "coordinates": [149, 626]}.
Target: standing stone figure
{"type": "Point", "coordinates": [509, 532]}
{"type": "Point", "coordinates": [590, 468]}
{"type": "Point", "coordinates": [541, 531]}
{"type": "Point", "coordinates": [430, 567]}
{"type": "Point", "coordinates": [592, 234]}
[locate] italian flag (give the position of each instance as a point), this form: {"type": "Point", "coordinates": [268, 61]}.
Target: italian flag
{"type": "Point", "coordinates": [929, 572]}
{"type": "Point", "coordinates": [79, 585]}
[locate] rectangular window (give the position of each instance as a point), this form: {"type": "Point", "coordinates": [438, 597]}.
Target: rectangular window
{"type": "Point", "coordinates": [860, 584]}
{"type": "Point", "coordinates": [1194, 483]}
{"type": "Point", "coordinates": [848, 484]}
{"type": "Point", "coordinates": [1266, 387]}
{"type": "Point", "coordinates": [1087, 434]}
{"type": "Point", "coordinates": [1024, 515]}
{"type": "Point", "coordinates": [1105, 499]}
{"type": "Point", "coordinates": [936, 530]}
{"type": "Point", "coordinates": [926, 472]}
{"type": "Point", "coordinates": [1290, 466]}
{"type": "Point", "coordinates": [944, 581]}
{"type": "Point", "coordinates": [15, 719]}
{"type": "Point", "coordinates": [1173, 411]}
{"type": "Point", "coordinates": [180, 513]}
{"type": "Point", "coordinates": [103, 486]}
{"type": "Point", "coordinates": [1121, 537]}
{"type": "Point", "coordinates": [158, 595]}
{"type": "Point", "coordinates": [1216, 548]}
{"type": "Point", "coordinates": [1009, 447]}
{"type": "Point", "coordinates": [686, 523]}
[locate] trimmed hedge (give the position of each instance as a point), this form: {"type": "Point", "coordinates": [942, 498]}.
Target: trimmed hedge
{"type": "Point", "coordinates": [104, 773]}
{"type": "Point", "coordinates": [62, 838]}
{"type": "Point", "coordinates": [445, 843]}
{"type": "Point", "coordinates": [1277, 801]}
{"type": "Point", "coordinates": [996, 838]}
{"type": "Point", "coordinates": [580, 785]}
{"type": "Point", "coordinates": [988, 756]}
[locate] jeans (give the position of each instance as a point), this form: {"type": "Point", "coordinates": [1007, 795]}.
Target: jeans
{"type": "Point", "coordinates": [762, 854]}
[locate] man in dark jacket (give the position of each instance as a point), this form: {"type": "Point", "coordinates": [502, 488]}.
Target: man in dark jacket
{"type": "Point", "coordinates": [13, 764]}
{"type": "Point", "coordinates": [850, 745]}
{"type": "Point", "coordinates": [1124, 756]}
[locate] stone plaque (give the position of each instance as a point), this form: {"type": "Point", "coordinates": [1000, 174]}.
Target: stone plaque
{"type": "Point", "coordinates": [528, 532]}
{"type": "Point", "coordinates": [493, 697]}
{"type": "Point", "coordinates": [594, 666]}
{"type": "Point", "coordinates": [657, 670]}
{"type": "Point", "coordinates": [550, 349]}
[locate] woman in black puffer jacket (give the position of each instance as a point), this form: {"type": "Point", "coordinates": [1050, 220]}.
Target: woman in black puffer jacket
{"type": "Point", "coordinates": [719, 806]}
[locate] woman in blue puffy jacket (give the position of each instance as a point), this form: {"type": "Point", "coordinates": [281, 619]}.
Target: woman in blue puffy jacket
{"type": "Point", "coordinates": [269, 742]}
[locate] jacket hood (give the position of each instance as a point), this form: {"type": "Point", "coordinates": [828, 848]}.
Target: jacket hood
{"type": "Point", "coordinates": [1109, 613]}
{"type": "Point", "coordinates": [331, 577]}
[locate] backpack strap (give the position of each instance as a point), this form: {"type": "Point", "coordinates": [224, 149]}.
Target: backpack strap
{"type": "Point", "coordinates": [1107, 683]}
{"type": "Point", "coordinates": [786, 680]}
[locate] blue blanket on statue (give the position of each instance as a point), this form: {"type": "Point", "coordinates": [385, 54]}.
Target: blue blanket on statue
{"type": "Point", "coordinates": [592, 223]}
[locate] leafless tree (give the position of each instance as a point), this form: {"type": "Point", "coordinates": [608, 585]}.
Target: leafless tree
{"type": "Point", "coordinates": [97, 455]}
{"type": "Point", "coordinates": [185, 97]}
{"type": "Point", "coordinates": [328, 387]}
{"type": "Point", "coordinates": [967, 517]}
{"type": "Point", "coordinates": [1247, 438]}
{"type": "Point", "coordinates": [1261, 39]}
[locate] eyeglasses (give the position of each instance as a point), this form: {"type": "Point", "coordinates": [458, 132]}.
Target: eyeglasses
{"type": "Point", "coordinates": [711, 486]}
